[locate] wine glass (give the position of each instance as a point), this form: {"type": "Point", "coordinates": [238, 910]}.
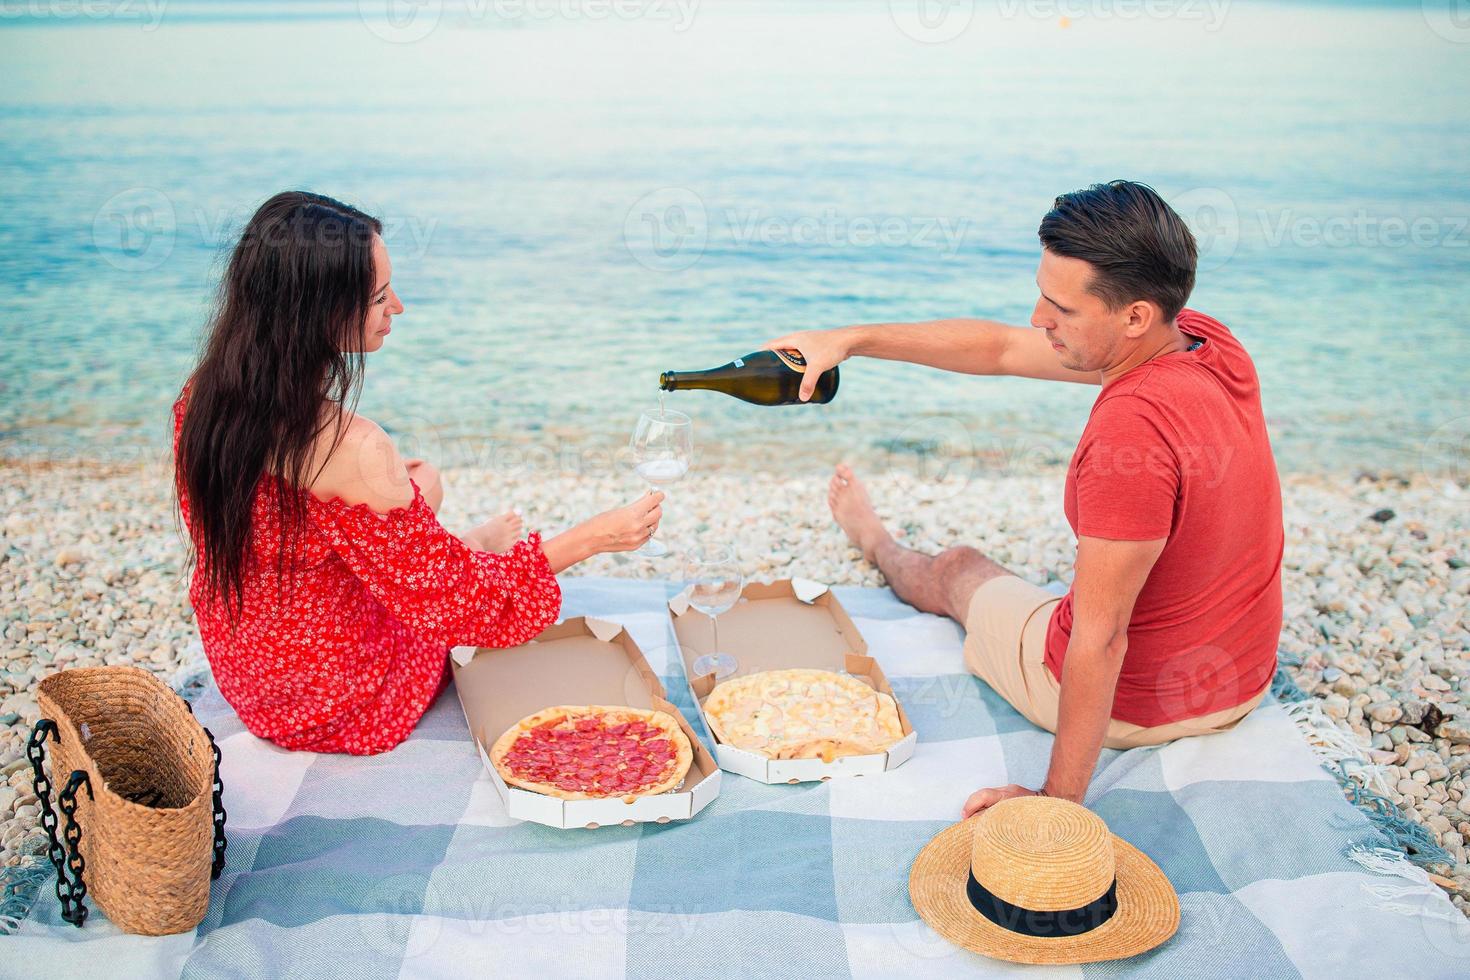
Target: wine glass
{"type": "Point", "coordinates": [714, 582]}
{"type": "Point", "coordinates": [663, 446]}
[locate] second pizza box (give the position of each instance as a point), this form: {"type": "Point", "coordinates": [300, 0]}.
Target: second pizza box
{"type": "Point", "coordinates": [580, 661]}
{"type": "Point", "coordinates": [790, 623]}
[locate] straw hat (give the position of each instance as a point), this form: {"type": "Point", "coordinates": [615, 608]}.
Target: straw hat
{"type": "Point", "coordinates": [1040, 880]}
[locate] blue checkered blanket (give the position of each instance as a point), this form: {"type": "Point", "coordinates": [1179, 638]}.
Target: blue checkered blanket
{"type": "Point", "coordinates": [406, 865]}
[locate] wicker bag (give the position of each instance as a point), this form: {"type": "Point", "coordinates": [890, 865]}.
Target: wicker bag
{"type": "Point", "coordinates": [139, 794]}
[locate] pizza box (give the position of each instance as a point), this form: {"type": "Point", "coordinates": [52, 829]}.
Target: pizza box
{"type": "Point", "coordinates": [789, 623]}
{"type": "Point", "coordinates": [579, 661]}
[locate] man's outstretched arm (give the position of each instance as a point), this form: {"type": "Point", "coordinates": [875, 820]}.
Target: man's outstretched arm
{"type": "Point", "coordinates": [961, 345]}
{"type": "Point", "coordinates": [1110, 574]}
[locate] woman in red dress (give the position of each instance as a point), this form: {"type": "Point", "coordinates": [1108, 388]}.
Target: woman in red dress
{"type": "Point", "coordinates": [326, 592]}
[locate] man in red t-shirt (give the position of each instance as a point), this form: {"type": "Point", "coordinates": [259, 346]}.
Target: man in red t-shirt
{"type": "Point", "coordinates": [1171, 624]}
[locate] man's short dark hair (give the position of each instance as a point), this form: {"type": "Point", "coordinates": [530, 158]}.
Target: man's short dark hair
{"type": "Point", "coordinates": [1138, 247]}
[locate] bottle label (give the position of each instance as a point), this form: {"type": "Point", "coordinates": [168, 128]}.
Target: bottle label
{"type": "Point", "coordinates": [793, 360]}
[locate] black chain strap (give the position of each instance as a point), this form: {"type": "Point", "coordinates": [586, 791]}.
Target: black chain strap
{"type": "Point", "coordinates": [220, 841]}
{"type": "Point", "coordinates": [66, 892]}
{"type": "Point", "coordinates": [67, 801]}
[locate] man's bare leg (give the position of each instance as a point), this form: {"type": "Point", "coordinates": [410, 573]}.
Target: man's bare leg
{"type": "Point", "coordinates": [942, 584]}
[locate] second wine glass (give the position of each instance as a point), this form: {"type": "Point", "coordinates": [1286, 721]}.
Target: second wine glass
{"type": "Point", "coordinates": [663, 447]}
{"type": "Point", "coordinates": [714, 582]}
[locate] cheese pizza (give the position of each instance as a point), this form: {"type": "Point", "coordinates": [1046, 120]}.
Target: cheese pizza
{"type": "Point", "coordinates": [591, 752]}
{"type": "Point", "coordinates": [803, 714]}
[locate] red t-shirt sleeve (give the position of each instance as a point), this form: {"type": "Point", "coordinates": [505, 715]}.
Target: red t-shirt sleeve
{"type": "Point", "coordinates": [1127, 474]}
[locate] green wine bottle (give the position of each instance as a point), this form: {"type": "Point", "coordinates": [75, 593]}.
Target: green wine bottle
{"type": "Point", "coordinates": [766, 377]}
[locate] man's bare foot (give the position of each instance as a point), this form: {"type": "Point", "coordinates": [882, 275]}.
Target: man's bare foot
{"type": "Point", "coordinates": [848, 500]}
{"type": "Point", "coordinates": [501, 532]}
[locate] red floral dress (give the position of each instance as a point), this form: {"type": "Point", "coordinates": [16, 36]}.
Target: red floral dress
{"type": "Point", "coordinates": [351, 653]}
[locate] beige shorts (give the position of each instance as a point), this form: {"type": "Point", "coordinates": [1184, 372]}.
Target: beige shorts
{"type": "Point", "coordinates": [1005, 646]}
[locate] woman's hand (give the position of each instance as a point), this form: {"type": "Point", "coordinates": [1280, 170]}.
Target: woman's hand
{"type": "Point", "coordinates": [821, 349]}
{"type": "Point", "coordinates": [627, 528]}
{"type": "Point", "coordinates": [623, 529]}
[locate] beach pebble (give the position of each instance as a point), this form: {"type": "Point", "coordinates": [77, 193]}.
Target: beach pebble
{"type": "Point", "coordinates": [70, 555]}
{"type": "Point", "coordinates": [1412, 788]}
{"type": "Point", "coordinates": [1386, 713]}
{"type": "Point", "coordinates": [1454, 729]}
{"type": "Point", "coordinates": [23, 705]}
{"type": "Point", "coordinates": [1413, 711]}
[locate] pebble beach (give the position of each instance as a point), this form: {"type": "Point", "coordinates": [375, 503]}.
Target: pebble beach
{"type": "Point", "coordinates": [1376, 578]}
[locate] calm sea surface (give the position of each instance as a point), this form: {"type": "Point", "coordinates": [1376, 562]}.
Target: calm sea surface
{"type": "Point", "coordinates": [577, 199]}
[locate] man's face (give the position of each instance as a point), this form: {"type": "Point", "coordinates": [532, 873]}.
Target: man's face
{"type": "Point", "coordinates": [1086, 335]}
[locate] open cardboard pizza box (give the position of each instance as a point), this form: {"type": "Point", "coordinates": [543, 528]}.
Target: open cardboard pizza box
{"type": "Point", "coordinates": [580, 661]}
{"type": "Point", "coordinates": [790, 623]}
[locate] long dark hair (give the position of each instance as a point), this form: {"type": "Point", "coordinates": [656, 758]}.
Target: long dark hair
{"type": "Point", "coordinates": [284, 344]}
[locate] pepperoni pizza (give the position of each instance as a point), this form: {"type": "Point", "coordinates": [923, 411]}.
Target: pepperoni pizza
{"type": "Point", "coordinates": [589, 752]}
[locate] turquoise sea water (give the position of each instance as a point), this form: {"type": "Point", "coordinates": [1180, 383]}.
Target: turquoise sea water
{"type": "Point", "coordinates": [578, 198]}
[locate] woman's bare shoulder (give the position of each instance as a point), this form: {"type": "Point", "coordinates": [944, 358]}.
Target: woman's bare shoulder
{"type": "Point", "coordinates": [358, 462]}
